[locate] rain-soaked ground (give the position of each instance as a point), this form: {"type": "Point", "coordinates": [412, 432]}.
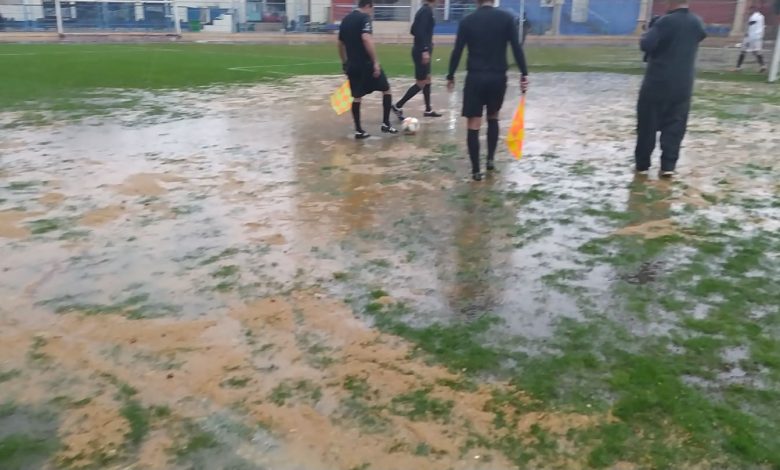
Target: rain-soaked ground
{"type": "Point", "coordinates": [229, 280]}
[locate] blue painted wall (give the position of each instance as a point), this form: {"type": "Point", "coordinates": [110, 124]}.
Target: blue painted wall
{"type": "Point", "coordinates": [606, 17]}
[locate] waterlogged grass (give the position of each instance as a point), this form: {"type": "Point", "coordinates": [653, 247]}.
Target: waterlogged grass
{"type": "Point", "coordinates": [41, 226]}
{"type": "Point", "coordinates": [196, 440]}
{"type": "Point", "coordinates": [28, 436]}
{"type": "Point", "coordinates": [71, 79]}
{"type": "Point", "coordinates": [134, 306]}
{"type": "Point", "coordinates": [418, 405]}
{"type": "Point", "coordinates": [677, 397]}
{"type": "Point", "coordinates": [287, 391]}
{"type": "Point", "coordinates": [138, 417]}
{"type": "Point", "coordinates": [9, 374]}
{"type": "Point", "coordinates": [22, 451]}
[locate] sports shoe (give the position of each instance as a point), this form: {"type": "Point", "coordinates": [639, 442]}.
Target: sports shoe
{"type": "Point", "coordinates": [388, 129]}
{"type": "Point", "coordinates": [490, 165]}
{"type": "Point", "coordinates": [476, 176]}
{"type": "Point", "coordinates": [431, 114]}
{"type": "Point", "coordinates": [643, 172]}
{"type": "Point", "coordinates": [763, 69]}
{"type": "Point", "coordinates": [399, 113]}
{"type": "Point", "coordinates": [362, 135]}
{"type": "Point", "coordinates": [666, 173]}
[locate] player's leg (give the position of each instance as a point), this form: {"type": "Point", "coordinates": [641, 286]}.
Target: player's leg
{"type": "Point", "coordinates": [760, 59]}
{"type": "Point", "coordinates": [414, 89]}
{"type": "Point", "coordinates": [359, 132]}
{"type": "Point", "coordinates": [740, 60]}
{"type": "Point", "coordinates": [646, 130]}
{"type": "Point", "coordinates": [472, 141]}
{"type": "Point", "coordinates": [495, 101]}
{"type": "Point", "coordinates": [382, 85]}
{"type": "Point", "coordinates": [742, 54]}
{"type": "Point", "coordinates": [429, 112]}
{"type": "Point", "coordinates": [674, 122]}
{"type": "Point", "coordinates": [410, 93]}
{"type": "Point", "coordinates": [425, 73]}
{"type": "Point", "coordinates": [357, 88]}
{"type": "Point", "coordinates": [473, 103]}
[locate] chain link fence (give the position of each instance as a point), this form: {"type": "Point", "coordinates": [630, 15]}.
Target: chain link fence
{"type": "Point", "coordinates": [542, 17]}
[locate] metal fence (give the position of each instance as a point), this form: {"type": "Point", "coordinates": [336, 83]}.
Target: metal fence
{"type": "Point", "coordinates": [87, 16]}
{"type": "Point", "coordinates": [543, 17]}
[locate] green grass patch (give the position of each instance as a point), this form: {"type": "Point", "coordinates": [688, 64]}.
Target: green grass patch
{"type": "Point", "coordinates": [9, 375]}
{"type": "Point", "coordinates": [41, 226]}
{"type": "Point", "coordinates": [226, 253]}
{"type": "Point", "coordinates": [66, 79]}
{"type": "Point", "coordinates": [359, 411]}
{"type": "Point", "coordinates": [226, 271]}
{"type": "Point", "coordinates": [35, 353]}
{"type": "Point", "coordinates": [420, 406]}
{"type": "Point", "coordinates": [134, 306]}
{"type": "Point", "coordinates": [236, 382]}
{"type": "Point", "coordinates": [197, 440]}
{"type": "Point", "coordinates": [21, 451]}
{"type": "Point", "coordinates": [138, 418]}
{"type": "Point", "coordinates": [22, 185]}
{"type": "Point", "coordinates": [298, 389]}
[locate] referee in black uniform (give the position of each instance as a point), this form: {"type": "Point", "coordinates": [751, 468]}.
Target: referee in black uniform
{"type": "Point", "coordinates": [486, 33]}
{"type": "Point", "coordinates": [360, 63]}
{"type": "Point", "coordinates": [664, 101]}
{"type": "Point", "coordinates": [422, 30]}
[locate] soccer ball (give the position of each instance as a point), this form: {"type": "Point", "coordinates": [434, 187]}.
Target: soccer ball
{"type": "Point", "coordinates": [410, 125]}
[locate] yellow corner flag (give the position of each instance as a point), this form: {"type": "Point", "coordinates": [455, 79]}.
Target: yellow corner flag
{"type": "Point", "coordinates": [341, 99]}
{"type": "Point", "coordinates": [514, 140]}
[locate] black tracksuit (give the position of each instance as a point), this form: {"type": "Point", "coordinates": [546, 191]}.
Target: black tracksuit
{"type": "Point", "coordinates": [422, 30]}
{"type": "Point", "coordinates": [486, 33]}
{"type": "Point", "coordinates": [665, 98]}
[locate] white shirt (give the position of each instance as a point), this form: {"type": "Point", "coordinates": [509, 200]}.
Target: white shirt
{"type": "Point", "coordinates": [756, 30]}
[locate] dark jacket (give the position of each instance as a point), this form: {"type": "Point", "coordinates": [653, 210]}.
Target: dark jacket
{"type": "Point", "coordinates": [671, 46]}
{"type": "Point", "coordinates": [422, 29]}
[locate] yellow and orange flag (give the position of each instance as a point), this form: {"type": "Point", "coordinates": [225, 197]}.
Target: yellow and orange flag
{"type": "Point", "coordinates": [341, 99]}
{"type": "Point", "coordinates": [514, 140]}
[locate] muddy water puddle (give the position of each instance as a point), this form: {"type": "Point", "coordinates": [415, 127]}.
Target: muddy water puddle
{"type": "Point", "coordinates": [179, 278]}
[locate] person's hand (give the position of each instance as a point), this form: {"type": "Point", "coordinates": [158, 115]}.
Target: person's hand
{"type": "Point", "coordinates": [377, 70]}
{"type": "Point", "coordinates": [344, 68]}
{"type": "Point", "coordinates": [524, 83]}
{"type": "Point", "coordinates": [426, 58]}
{"type": "Point", "coordinates": [451, 85]}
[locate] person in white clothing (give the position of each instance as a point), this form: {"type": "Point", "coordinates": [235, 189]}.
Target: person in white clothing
{"type": "Point", "coordinates": [754, 38]}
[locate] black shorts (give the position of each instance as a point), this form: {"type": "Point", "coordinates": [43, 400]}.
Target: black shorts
{"type": "Point", "coordinates": [362, 80]}
{"type": "Point", "coordinates": [421, 71]}
{"type": "Point", "coordinates": [483, 90]}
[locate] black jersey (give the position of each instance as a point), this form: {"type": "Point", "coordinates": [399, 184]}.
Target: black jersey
{"type": "Point", "coordinates": [486, 33]}
{"type": "Point", "coordinates": [351, 34]}
{"type": "Point", "coordinates": [422, 29]}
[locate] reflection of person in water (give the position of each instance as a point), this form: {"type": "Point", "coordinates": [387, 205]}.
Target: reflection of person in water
{"type": "Point", "coordinates": [472, 292]}
{"type": "Point", "coordinates": [649, 201]}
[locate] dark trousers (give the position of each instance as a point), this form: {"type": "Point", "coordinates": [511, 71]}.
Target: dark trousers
{"type": "Point", "coordinates": [666, 115]}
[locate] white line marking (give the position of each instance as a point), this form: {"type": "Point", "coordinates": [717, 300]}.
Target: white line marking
{"type": "Point", "coordinates": [16, 53]}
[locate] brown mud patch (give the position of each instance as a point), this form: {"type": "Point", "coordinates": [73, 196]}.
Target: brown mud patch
{"type": "Point", "coordinates": [329, 388]}
{"type": "Point", "coordinates": [52, 199]}
{"type": "Point", "coordinates": [147, 184]}
{"type": "Point", "coordinates": [103, 215]}
{"type": "Point", "coordinates": [90, 433]}
{"type": "Point", "coordinates": [9, 224]}
{"type": "Point", "coordinates": [650, 229]}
